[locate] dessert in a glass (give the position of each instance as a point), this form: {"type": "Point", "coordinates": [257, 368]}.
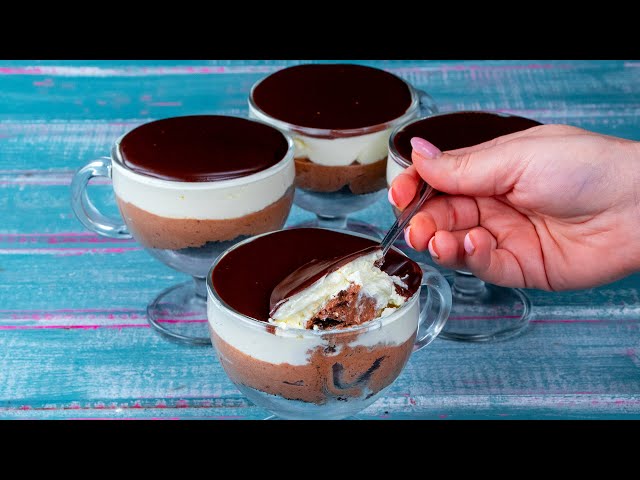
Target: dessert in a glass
{"type": "Point", "coordinates": [323, 346]}
{"type": "Point", "coordinates": [188, 188]}
{"type": "Point", "coordinates": [340, 117]}
{"type": "Point", "coordinates": [481, 312]}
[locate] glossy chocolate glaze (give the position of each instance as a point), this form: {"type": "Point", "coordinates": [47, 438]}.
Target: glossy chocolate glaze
{"type": "Point", "coordinates": [202, 148]}
{"type": "Point", "coordinates": [333, 96]}
{"type": "Point", "coordinates": [459, 130]}
{"type": "Point", "coordinates": [309, 273]}
{"type": "Point", "coordinates": [245, 278]}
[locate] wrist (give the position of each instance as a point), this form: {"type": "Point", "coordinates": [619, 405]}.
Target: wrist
{"type": "Point", "coordinates": [635, 202]}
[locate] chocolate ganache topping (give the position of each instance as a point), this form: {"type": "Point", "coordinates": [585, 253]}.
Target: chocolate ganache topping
{"type": "Point", "coordinates": [458, 130]}
{"type": "Point", "coordinates": [202, 148]}
{"type": "Point", "coordinates": [246, 277]}
{"type": "Point", "coordinates": [333, 96]}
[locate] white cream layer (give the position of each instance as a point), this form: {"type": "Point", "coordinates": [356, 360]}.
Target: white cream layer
{"type": "Point", "coordinates": [337, 152]}
{"type": "Point", "coordinates": [373, 282]}
{"type": "Point", "coordinates": [220, 200]}
{"type": "Point", "coordinates": [341, 152]}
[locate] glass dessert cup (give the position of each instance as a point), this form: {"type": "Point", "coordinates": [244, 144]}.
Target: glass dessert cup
{"type": "Point", "coordinates": [481, 312]}
{"type": "Point", "coordinates": [188, 245]}
{"type": "Point", "coordinates": [323, 374]}
{"type": "Point", "coordinates": [345, 181]}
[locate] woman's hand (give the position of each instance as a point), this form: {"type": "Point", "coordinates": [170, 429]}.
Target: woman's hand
{"type": "Point", "coordinates": [552, 207]}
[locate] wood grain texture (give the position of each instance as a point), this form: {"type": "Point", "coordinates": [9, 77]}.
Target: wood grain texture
{"type": "Point", "coordinates": [74, 342]}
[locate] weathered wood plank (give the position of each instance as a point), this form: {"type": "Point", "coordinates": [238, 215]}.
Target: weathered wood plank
{"type": "Point", "coordinates": [561, 371]}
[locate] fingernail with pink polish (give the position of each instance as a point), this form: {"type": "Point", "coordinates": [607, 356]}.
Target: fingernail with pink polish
{"type": "Point", "coordinates": [391, 200]}
{"type": "Point", "coordinates": [424, 148]}
{"type": "Point", "coordinates": [432, 250]}
{"type": "Point", "coordinates": [407, 236]}
{"type": "Point", "coordinates": [468, 245]}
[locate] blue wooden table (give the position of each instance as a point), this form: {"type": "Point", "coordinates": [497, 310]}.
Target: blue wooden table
{"type": "Point", "coordinates": [74, 342]}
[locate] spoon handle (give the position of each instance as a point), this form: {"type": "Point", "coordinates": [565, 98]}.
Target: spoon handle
{"type": "Point", "coordinates": [424, 193]}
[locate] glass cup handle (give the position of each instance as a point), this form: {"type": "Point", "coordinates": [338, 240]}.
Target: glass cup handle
{"type": "Point", "coordinates": [85, 210]}
{"type": "Point", "coordinates": [438, 306]}
{"type": "Point", "coordinates": [426, 103]}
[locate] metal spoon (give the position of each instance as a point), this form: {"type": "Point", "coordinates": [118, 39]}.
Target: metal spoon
{"type": "Point", "coordinates": [310, 272]}
{"type": "Point", "coordinates": [424, 193]}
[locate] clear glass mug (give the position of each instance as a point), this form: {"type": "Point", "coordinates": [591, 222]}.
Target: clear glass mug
{"type": "Point", "coordinates": [179, 312]}
{"type": "Point", "coordinates": [481, 312]}
{"type": "Point", "coordinates": [324, 374]}
{"type": "Point", "coordinates": [347, 188]}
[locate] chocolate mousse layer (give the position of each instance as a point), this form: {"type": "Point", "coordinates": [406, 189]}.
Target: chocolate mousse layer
{"type": "Point", "coordinates": [347, 309]}
{"type": "Point", "coordinates": [333, 96]}
{"type": "Point", "coordinates": [154, 231]}
{"type": "Point", "coordinates": [337, 372]}
{"type": "Point", "coordinates": [359, 178]}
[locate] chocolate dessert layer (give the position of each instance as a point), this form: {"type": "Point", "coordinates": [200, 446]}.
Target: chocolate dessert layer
{"type": "Point", "coordinates": [359, 178]}
{"type": "Point", "coordinates": [258, 266]}
{"type": "Point", "coordinates": [458, 130]}
{"type": "Point", "coordinates": [175, 233]}
{"type": "Point", "coordinates": [332, 96]}
{"type": "Point", "coordinates": [202, 148]}
{"type": "Point", "coordinates": [305, 276]}
{"type": "Point", "coordinates": [347, 309]}
{"type": "Point", "coordinates": [336, 372]}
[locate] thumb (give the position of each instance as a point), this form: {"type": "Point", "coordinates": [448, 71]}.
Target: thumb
{"type": "Point", "coordinates": [484, 172]}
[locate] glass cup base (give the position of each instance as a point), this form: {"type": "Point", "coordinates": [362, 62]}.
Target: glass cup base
{"type": "Point", "coordinates": [285, 409]}
{"type": "Point", "coordinates": [490, 313]}
{"type": "Point", "coordinates": [332, 209]}
{"type": "Point", "coordinates": [275, 417]}
{"type": "Point", "coordinates": [180, 314]}
{"type": "Point", "coordinates": [348, 225]}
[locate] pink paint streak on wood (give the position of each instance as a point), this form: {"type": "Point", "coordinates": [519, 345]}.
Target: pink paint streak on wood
{"type": "Point", "coordinates": [478, 68]}
{"type": "Point", "coordinates": [117, 326]}
{"type": "Point", "coordinates": [36, 317]}
{"type": "Point", "coordinates": [631, 353]}
{"type": "Point", "coordinates": [178, 320]}
{"type": "Point", "coordinates": [45, 178]}
{"type": "Point", "coordinates": [165, 104]}
{"type": "Point", "coordinates": [47, 82]}
{"type": "Point", "coordinates": [57, 238]}
{"type": "Point", "coordinates": [579, 320]}
{"type": "Point", "coordinates": [71, 327]}
{"type": "Point", "coordinates": [70, 310]}
{"type": "Point", "coordinates": [75, 405]}
{"type": "Point", "coordinates": [67, 252]}
{"type": "Point", "coordinates": [21, 71]}
{"type": "Point", "coordinates": [64, 71]}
